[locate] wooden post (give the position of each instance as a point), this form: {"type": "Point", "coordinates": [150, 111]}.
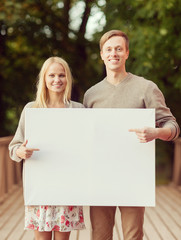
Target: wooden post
{"type": "Point", "coordinates": [177, 163]}
{"type": "Point", "coordinates": [10, 171]}
{"type": "Point", "coordinates": [2, 171]}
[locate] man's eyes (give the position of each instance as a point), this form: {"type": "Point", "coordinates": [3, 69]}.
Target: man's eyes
{"type": "Point", "coordinates": [117, 49]}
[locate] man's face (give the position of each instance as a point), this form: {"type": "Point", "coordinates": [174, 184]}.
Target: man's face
{"type": "Point", "coordinates": [114, 54]}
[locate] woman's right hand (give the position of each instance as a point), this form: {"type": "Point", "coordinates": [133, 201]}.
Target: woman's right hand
{"type": "Point", "coordinates": [23, 152]}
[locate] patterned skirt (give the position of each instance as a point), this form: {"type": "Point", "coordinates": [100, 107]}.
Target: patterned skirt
{"type": "Point", "coordinates": [54, 218]}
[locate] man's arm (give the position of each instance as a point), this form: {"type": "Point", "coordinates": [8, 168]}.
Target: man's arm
{"type": "Point", "coordinates": [167, 128]}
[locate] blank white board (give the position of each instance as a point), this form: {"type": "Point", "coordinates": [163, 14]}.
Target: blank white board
{"type": "Point", "coordinates": [88, 157]}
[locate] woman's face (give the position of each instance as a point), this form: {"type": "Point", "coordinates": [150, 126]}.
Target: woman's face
{"type": "Point", "coordinates": [55, 78]}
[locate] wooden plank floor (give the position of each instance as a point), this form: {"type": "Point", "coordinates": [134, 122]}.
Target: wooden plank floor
{"type": "Point", "coordinates": [161, 223]}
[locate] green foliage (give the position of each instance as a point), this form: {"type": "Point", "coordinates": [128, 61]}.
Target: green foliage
{"type": "Point", "coordinates": [154, 30]}
{"type": "Point", "coordinates": [153, 27]}
{"type": "Point", "coordinates": [32, 31]}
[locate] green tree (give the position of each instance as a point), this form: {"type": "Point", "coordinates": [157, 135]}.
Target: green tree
{"type": "Point", "coordinates": [32, 31]}
{"type": "Point", "coordinates": [154, 30]}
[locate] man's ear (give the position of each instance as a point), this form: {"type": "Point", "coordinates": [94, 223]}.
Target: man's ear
{"type": "Point", "coordinates": [127, 54]}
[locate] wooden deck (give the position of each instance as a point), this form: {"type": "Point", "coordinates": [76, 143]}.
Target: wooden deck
{"type": "Point", "coordinates": [161, 223]}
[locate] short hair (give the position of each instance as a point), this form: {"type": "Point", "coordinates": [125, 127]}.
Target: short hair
{"type": "Point", "coordinates": [111, 34]}
{"type": "Point", "coordinates": [42, 96]}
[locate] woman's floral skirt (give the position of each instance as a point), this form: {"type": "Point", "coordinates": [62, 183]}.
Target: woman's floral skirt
{"type": "Point", "coordinates": [54, 218]}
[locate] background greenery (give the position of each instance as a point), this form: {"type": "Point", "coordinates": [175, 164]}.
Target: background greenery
{"type": "Point", "coordinates": [33, 30]}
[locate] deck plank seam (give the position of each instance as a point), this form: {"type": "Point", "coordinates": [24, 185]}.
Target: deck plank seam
{"type": "Point", "coordinates": [165, 209]}
{"type": "Point", "coordinates": [165, 223]}
{"type": "Point", "coordinates": [19, 219]}
{"type": "Point", "coordinates": [153, 225]}
{"type": "Point", "coordinates": [18, 206]}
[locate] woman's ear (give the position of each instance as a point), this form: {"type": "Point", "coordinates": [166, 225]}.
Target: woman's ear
{"type": "Point", "coordinates": [101, 54]}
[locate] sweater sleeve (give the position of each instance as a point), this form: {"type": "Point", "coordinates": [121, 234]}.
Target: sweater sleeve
{"type": "Point", "coordinates": [85, 101]}
{"type": "Point", "coordinates": [76, 104]}
{"type": "Point", "coordinates": [164, 118]}
{"type": "Point", "coordinates": [18, 138]}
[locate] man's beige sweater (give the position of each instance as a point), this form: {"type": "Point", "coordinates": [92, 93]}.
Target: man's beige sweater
{"type": "Point", "coordinates": [132, 92]}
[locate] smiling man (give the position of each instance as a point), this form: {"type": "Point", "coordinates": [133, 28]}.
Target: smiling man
{"type": "Point", "coordinates": [121, 89]}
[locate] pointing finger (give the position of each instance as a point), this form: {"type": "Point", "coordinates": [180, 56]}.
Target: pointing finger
{"type": "Point", "coordinates": [134, 130]}
{"type": "Point", "coordinates": [33, 149]}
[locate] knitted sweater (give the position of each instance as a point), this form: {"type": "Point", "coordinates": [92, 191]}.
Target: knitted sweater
{"type": "Point", "coordinates": [20, 132]}
{"type": "Point", "coordinates": [132, 92]}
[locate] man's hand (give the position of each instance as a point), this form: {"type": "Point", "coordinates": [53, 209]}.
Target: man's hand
{"type": "Point", "coordinates": [23, 152]}
{"type": "Point", "coordinates": [148, 134]}
{"type": "Point", "coordinates": [145, 134]}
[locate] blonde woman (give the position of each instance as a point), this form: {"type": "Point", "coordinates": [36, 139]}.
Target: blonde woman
{"type": "Point", "coordinates": [53, 91]}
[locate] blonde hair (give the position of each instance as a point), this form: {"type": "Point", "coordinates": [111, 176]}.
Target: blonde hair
{"type": "Point", "coordinates": [111, 34]}
{"type": "Point", "coordinates": [42, 96]}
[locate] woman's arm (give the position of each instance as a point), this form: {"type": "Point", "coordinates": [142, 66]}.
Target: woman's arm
{"type": "Point", "coordinates": [17, 147]}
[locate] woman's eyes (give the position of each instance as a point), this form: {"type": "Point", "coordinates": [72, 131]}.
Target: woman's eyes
{"type": "Point", "coordinates": [61, 75]}
{"type": "Point", "coordinates": [53, 75]}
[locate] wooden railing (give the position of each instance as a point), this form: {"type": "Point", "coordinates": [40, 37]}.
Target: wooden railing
{"type": "Point", "coordinates": [177, 163]}
{"type": "Point", "coordinates": [10, 171]}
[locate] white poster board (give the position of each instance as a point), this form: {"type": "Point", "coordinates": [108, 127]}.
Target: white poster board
{"type": "Point", "coordinates": [88, 157]}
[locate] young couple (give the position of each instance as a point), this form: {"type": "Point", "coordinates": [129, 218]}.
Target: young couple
{"type": "Point", "coordinates": [119, 89]}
